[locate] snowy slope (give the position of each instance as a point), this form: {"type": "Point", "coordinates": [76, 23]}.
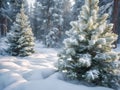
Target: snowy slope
{"type": "Point", "coordinates": [35, 72]}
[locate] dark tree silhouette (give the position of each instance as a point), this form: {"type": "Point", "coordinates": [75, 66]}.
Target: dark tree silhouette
{"type": "Point", "coordinates": [115, 18]}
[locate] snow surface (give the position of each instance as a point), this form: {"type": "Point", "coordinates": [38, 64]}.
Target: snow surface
{"type": "Point", "coordinates": [35, 72]}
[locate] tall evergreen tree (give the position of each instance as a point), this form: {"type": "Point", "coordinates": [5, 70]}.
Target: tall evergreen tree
{"type": "Point", "coordinates": [54, 22]}
{"type": "Point", "coordinates": [21, 37]}
{"type": "Point", "coordinates": [49, 20]}
{"type": "Point", "coordinates": [4, 9]}
{"type": "Point", "coordinates": [88, 54]}
{"type": "Point", "coordinates": [34, 12]}
{"type": "Point", "coordinates": [67, 17]}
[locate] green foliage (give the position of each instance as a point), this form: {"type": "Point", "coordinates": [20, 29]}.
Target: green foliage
{"type": "Point", "coordinates": [88, 54]}
{"type": "Point", "coordinates": [21, 40]}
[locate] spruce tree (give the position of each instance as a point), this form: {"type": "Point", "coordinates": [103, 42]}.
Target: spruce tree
{"type": "Point", "coordinates": [88, 54]}
{"type": "Point", "coordinates": [20, 38]}
{"type": "Point", "coordinates": [55, 23]}
{"type": "Point", "coordinates": [52, 38]}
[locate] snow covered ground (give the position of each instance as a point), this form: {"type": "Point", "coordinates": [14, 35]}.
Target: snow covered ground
{"type": "Point", "coordinates": [35, 72]}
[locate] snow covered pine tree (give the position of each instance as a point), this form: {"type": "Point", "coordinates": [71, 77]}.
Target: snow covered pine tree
{"type": "Point", "coordinates": [55, 22]}
{"type": "Point", "coordinates": [88, 54]}
{"type": "Point", "coordinates": [20, 38]}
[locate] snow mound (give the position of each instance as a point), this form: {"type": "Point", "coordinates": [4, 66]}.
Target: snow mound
{"type": "Point", "coordinates": [7, 78]}
{"type": "Point", "coordinates": [35, 72]}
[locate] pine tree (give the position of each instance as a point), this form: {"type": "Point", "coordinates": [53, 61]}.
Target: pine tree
{"type": "Point", "coordinates": [51, 18]}
{"type": "Point", "coordinates": [36, 19]}
{"type": "Point", "coordinates": [88, 53]}
{"type": "Point", "coordinates": [52, 37]}
{"type": "Point", "coordinates": [55, 22]}
{"type": "Point", "coordinates": [21, 40]}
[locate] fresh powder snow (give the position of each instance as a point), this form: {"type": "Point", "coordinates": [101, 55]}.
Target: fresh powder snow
{"type": "Point", "coordinates": [36, 72]}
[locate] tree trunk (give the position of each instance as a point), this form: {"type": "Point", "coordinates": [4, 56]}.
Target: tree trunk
{"type": "Point", "coordinates": [0, 17]}
{"type": "Point", "coordinates": [5, 26]}
{"type": "Point", "coordinates": [115, 18]}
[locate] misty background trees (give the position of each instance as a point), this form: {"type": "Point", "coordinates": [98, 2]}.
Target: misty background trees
{"type": "Point", "coordinates": [50, 18]}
